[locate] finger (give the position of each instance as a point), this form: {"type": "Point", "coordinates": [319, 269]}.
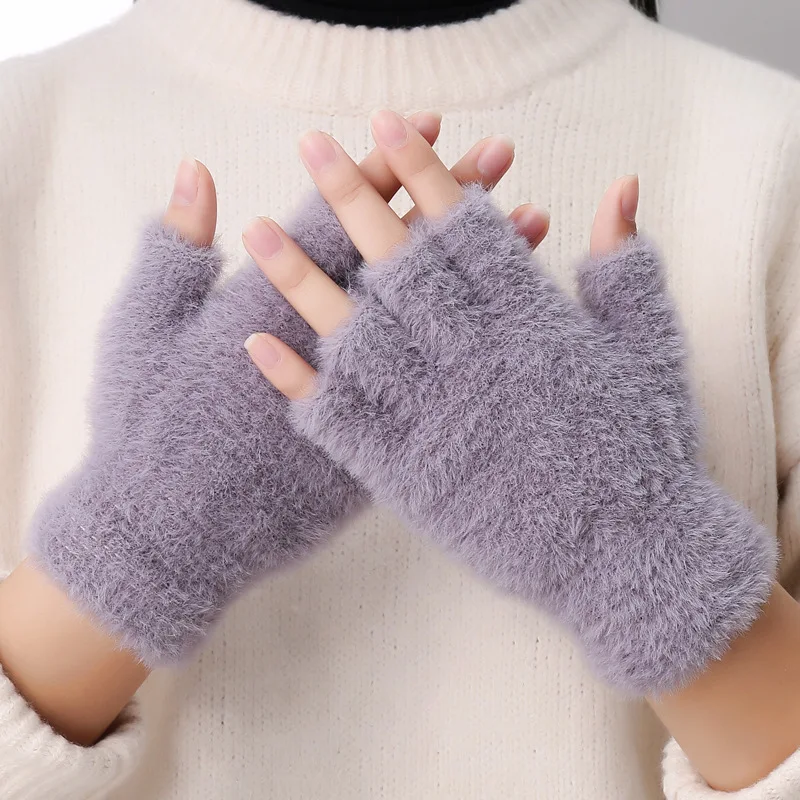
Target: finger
{"type": "Point", "coordinates": [366, 218]}
{"type": "Point", "coordinates": [485, 163]}
{"type": "Point", "coordinates": [430, 184]}
{"type": "Point", "coordinates": [374, 167]}
{"type": "Point", "coordinates": [615, 219]}
{"type": "Point", "coordinates": [173, 274]}
{"type": "Point", "coordinates": [532, 222]}
{"type": "Point", "coordinates": [315, 297]}
{"type": "Point", "coordinates": [281, 366]}
{"type": "Point", "coordinates": [192, 209]}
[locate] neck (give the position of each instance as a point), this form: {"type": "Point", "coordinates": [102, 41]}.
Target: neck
{"type": "Point", "coordinates": [325, 68]}
{"type": "Point", "coordinates": [389, 13]}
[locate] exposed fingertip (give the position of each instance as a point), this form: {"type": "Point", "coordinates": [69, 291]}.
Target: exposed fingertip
{"type": "Point", "coordinates": [629, 198]}
{"type": "Point", "coordinates": [531, 212]}
{"type": "Point", "coordinates": [205, 181]}
{"type": "Point", "coordinates": [428, 123]}
{"type": "Point", "coordinates": [192, 208]}
{"type": "Point", "coordinates": [317, 149]}
{"type": "Point", "coordinates": [496, 155]}
{"type": "Point", "coordinates": [388, 128]}
{"type": "Point", "coordinates": [261, 237]}
{"type": "Point", "coordinates": [261, 350]}
{"type": "Point", "coordinates": [249, 341]}
{"type": "Point", "coordinates": [425, 117]}
{"type": "Point", "coordinates": [533, 222]}
{"type": "Point", "coordinates": [614, 221]}
{"type": "Point", "coordinates": [503, 137]}
{"type": "Point", "coordinates": [186, 184]}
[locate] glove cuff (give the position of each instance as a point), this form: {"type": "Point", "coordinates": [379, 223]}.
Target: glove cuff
{"type": "Point", "coordinates": [652, 616]}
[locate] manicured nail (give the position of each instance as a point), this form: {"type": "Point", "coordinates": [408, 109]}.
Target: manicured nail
{"type": "Point", "coordinates": [187, 181]}
{"type": "Point", "coordinates": [422, 118]}
{"type": "Point", "coordinates": [262, 351]}
{"type": "Point", "coordinates": [535, 221]}
{"type": "Point", "coordinates": [317, 150]}
{"type": "Point", "coordinates": [261, 237]}
{"type": "Point", "coordinates": [495, 156]}
{"type": "Point", "coordinates": [389, 128]}
{"type": "Point", "coordinates": [629, 198]}
{"type": "Point", "coordinates": [434, 115]}
{"type": "Point", "coordinates": [425, 121]}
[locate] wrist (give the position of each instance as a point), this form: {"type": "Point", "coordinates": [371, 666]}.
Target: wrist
{"type": "Point", "coordinates": [70, 670]}
{"type": "Point", "coordinates": [738, 719]}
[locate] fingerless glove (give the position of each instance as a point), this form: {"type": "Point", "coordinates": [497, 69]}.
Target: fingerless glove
{"type": "Point", "coordinates": [194, 483]}
{"type": "Point", "coordinates": [552, 444]}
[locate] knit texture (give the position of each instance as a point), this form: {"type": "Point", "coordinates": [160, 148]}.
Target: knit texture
{"type": "Point", "coordinates": [681, 781]}
{"type": "Point", "coordinates": [36, 763]}
{"type": "Point", "coordinates": [554, 447]}
{"type": "Point", "coordinates": [194, 483]}
{"type": "Point", "coordinates": [382, 667]}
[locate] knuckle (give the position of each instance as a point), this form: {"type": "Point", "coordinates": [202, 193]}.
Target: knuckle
{"type": "Point", "coordinates": [422, 167]}
{"type": "Point", "coordinates": [293, 276]}
{"type": "Point", "coordinates": [350, 191]}
{"type": "Point", "coordinates": [305, 386]}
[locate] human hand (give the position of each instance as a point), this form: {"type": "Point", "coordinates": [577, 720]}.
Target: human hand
{"type": "Point", "coordinates": [186, 494]}
{"type": "Point", "coordinates": [551, 443]}
{"type": "Point", "coordinates": [325, 306]}
{"type": "Point", "coordinates": [293, 268]}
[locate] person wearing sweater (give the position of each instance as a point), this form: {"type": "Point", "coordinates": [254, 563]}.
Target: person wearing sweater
{"type": "Point", "coordinates": [378, 664]}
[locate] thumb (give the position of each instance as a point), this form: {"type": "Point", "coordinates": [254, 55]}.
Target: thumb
{"type": "Point", "coordinates": [615, 220]}
{"type": "Point", "coordinates": [623, 282]}
{"type": "Point", "coordinates": [192, 209]}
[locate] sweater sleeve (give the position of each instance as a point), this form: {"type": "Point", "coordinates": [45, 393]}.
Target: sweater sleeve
{"type": "Point", "coordinates": [782, 295]}
{"type": "Point", "coordinates": [683, 782]}
{"type": "Point", "coordinates": [35, 762]}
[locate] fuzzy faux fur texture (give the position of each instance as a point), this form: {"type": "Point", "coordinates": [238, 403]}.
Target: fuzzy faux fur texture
{"type": "Point", "coordinates": [195, 483]}
{"type": "Point", "coordinates": [552, 444]}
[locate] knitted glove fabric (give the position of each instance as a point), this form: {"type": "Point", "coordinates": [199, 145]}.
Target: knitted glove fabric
{"type": "Point", "coordinates": [194, 483]}
{"type": "Point", "coordinates": [552, 444]}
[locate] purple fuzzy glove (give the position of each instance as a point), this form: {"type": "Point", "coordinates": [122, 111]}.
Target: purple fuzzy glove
{"type": "Point", "coordinates": [195, 483]}
{"type": "Point", "coordinates": [552, 445]}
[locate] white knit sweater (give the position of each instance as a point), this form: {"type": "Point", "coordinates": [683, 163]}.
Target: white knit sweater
{"type": "Point", "coordinates": [380, 667]}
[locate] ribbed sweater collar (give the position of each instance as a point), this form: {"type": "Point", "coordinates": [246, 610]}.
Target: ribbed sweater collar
{"type": "Point", "coordinates": [336, 68]}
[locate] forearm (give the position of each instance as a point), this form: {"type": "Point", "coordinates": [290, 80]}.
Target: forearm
{"type": "Point", "coordinates": [70, 671]}
{"type": "Point", "coordinates": [741, 717]}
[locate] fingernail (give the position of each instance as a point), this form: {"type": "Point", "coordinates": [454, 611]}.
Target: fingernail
{"type": "Point", "coordinates": [426, 122]}
{"type": "Point", "coordinates": [424, 118]}
{"type": "Point", "coordinates": [187, 179]}
{"type": "Point", "coordinates": [535, 220]}
{"type": "Point", "coordinates": [262, 351]}
{"type": "Point", "coordinates": [317, 150]}
{"type": "Point", "coordinates": [629, 198]}
{"type": "Point", "coordinates": [261, 237]}
{"type": "Point", "coordinates": [495, 155]}
{"type": "Point", "coordinates": [389, 128]}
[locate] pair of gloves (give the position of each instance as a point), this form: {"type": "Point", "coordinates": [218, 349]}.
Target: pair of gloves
{"type": "Point", "coordinates": [550, 443]}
